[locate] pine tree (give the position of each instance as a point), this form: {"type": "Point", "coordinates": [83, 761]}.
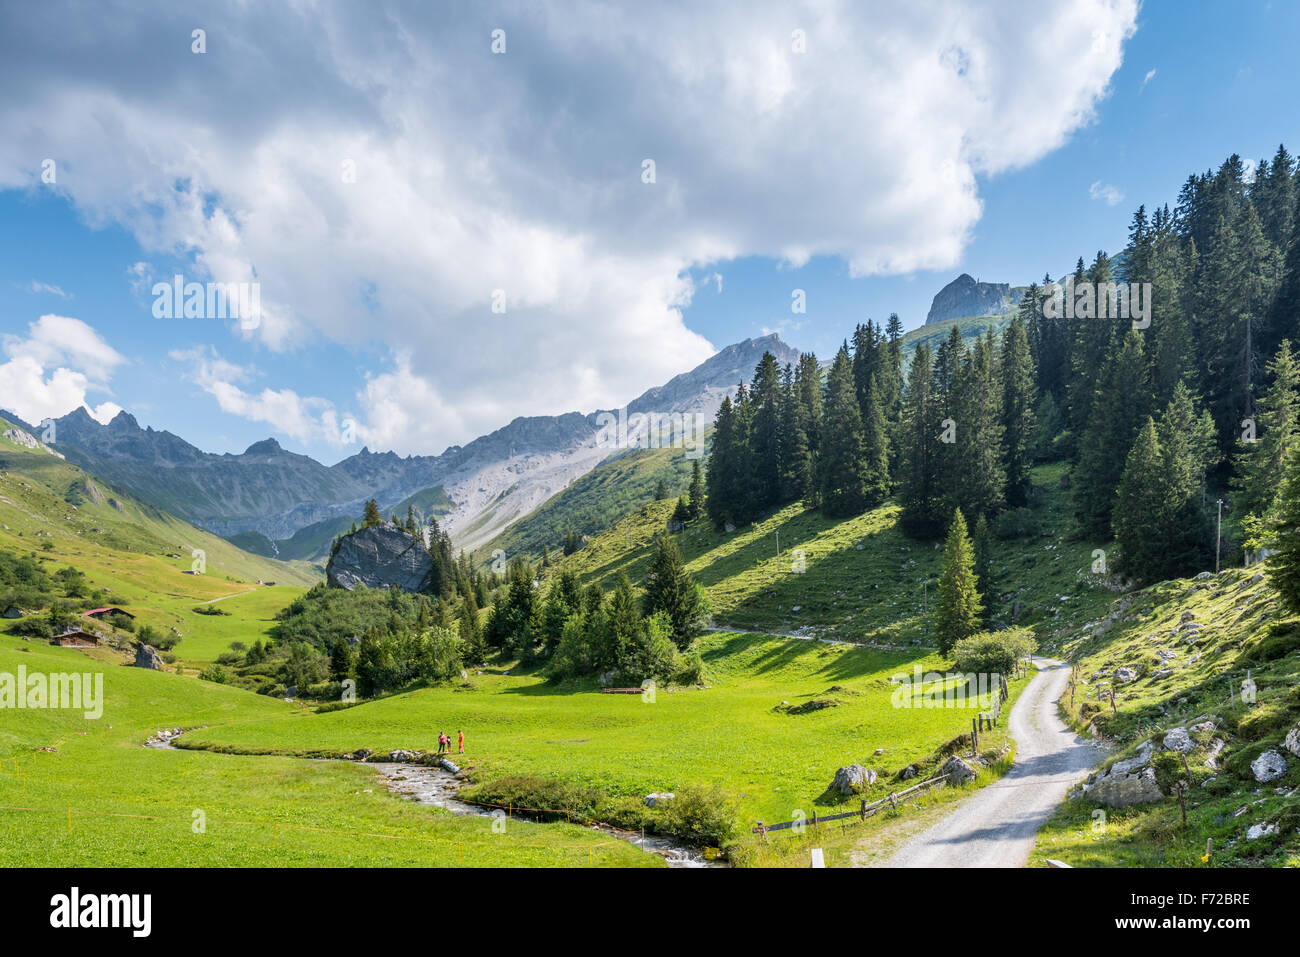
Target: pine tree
{"type": "Point", "coordinates": [982, 548]}
{"type": "Point", "coordinates": [1284, 563]}
{"type": "Point", "coordinates": [919, 438]}
{"type": "Point", "coordinates": [843, 475]}
{"type": "Point", "coordinates": [341, 660]}
{"type": "Point", "coordinates": [722, 461]}
{"type": "Point", "coordinates": [959, 611]}
{"type": "Point", "coordinates": [1263, 457]}
{"type": "Point", "coordinates": [670, 590]}
{"type": "Point", "coordinates": [695, 493]}
{"type": "Point", "coordinates": [372, 516]}
{"type": "Point", "coordinates": [661, 490]}
{"type": "Point", "coordinates": [1137, 519]}
{"type": "Point", "coordinates": [1017, 370]}
{"type": "Point", "coordinates": [875, 445]}
{"type": "Point", "coordinates": [765, 435]}
{"type": "Point", "coordinates": [473, 646]}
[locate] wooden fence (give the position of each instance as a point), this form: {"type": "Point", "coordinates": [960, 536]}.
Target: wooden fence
{"type": "Point", "coordinates": [891, 801]}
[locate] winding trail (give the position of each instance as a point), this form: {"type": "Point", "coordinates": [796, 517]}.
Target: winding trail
{"type": "Point", "coordinates": [997, 825]}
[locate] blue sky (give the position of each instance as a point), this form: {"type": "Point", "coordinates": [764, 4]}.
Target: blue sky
{"type": "Point", "coordinates": [376, 299]}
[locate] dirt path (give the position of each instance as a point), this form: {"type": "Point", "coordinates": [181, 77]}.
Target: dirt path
{"type": "Point", "coordinates": [996, 826]}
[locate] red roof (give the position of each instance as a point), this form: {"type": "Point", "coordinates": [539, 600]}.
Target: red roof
{"type": "Point", "coordinates": [100, 611]}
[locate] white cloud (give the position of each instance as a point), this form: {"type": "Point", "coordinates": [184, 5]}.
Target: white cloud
{"type": "Point", "coordinates": [49, 372]}
{"type": "Point", "coordinates": [522, 172]}
{"type": "Point", "coordinates": [1151, 75]}
{"type": "Point", "coordinates": [1112, 195]}
{"type": "Point", "coordinates": [308, 419]}
{"type": "Point", "coordinates": [36, 286]}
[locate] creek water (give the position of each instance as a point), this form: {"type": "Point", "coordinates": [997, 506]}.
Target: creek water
{"type": "Point", "coordinates": [438, 788]}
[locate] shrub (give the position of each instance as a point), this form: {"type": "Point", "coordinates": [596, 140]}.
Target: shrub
{"type": "Point", "coordinates": [547, 798]}
{"type": "Point", "coordinates": [701, 815]}
{"type": "Point", "coordinates": [217, 674]}
{"type": "Point", "coordinates": [992, 652]}
{"type": "Point", "coordinates": [1016, 523]}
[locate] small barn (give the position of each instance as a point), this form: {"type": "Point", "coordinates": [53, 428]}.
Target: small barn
{"type": "Point", "coordinates": [100, 614]}
{"type": "Point", "coordinates": [76, 638]}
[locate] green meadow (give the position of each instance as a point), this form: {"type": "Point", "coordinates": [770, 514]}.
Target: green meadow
{"type": "Point", "coordinates": [98, 797]}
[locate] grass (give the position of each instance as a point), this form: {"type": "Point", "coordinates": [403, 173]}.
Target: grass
{"type": "Point", "coordinates": [101, 799]}
{"type": "Point", "coordinates": [863, 579]}
{"type": "Point", "coordinates": [138, 555]}
{"type": "Point", "coordinates": [731, 733]}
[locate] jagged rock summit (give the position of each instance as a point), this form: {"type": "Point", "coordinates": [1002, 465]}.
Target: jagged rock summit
{"type": "Point", "coordinates": [378, 557]}
{"type": "Point", "coordinates": [965, 297]}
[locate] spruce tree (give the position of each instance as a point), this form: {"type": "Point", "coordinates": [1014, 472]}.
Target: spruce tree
{"type": "Point", "coordinates": [1017, 370]}
{"type": "Point", "coordinates": [1263, 455]}
{"type": "Point", "coordinates": [919, 439]}
{"type": "Point", "coordinates": [843, 469]}
{"type": "Point", "coordinates": [959, 611]}
{"type": "Point", "coordinates": [371, 516]}
{"type": "Point", "coordinates": [1284, 563]}
{"type": "Point", "coordinates": [670, 590]}
{"type": "Point", "coordinates": [695, 493]}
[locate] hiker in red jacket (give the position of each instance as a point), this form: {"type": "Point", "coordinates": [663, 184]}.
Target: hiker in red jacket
{"type": "Point", "coordinates": [442, 742]}
{"type": "Point", "coordinates": [460, 736]}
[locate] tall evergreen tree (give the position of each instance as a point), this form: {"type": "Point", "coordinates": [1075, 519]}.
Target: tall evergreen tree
{"type": "Point", "coordinates": [1264, 454]}
{"type": "Point", "coordinates": [670, 590]}
{"type": "Point", "coordinates": [919, 490]}
{"type": "Point", "coordinates": [959, 611]}
{"type": "Point", "coordinates": [695, 492]}
{"type": "Point", "coordinates": [843, 468]}
{"type": "Point", "coordinates": [1284, 563]}
{"type": "Point", "coordinates": [1018, 401]}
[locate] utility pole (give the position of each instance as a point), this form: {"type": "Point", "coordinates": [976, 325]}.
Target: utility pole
{"type": "Point", "coordinates": [1218, 537]}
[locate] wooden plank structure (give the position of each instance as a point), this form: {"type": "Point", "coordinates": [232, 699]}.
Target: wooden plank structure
{"type": "Point", "coordinates": [891, 801]}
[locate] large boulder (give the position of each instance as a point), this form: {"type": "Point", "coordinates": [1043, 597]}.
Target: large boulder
{"type": "Point", "coordinates": [1293, 740]}
{"type": "Point", "coordinates": [1179, 740]}
{"type": "Point", "coordinates": [958, 771]}
{"type": "Point", "coordinates": [1269, 766]}
{"type": "Point", "coordinates": [851, 779]}
{"type": "Point", "coordinates": [146, 656]}
{"type": "Point", "coordinates": [1125, 675]}
{"type": "Point", "coordinates": [378, 557]}
{"type": "Point", "coordinates": [1124, 787]}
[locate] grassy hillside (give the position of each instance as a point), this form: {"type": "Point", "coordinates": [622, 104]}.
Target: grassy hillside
{"type": "Point", "coordinates": [138, 556]}
{"type": "Point", "coordinates": [972, 327]}
{"type": "Point", "coordinates": [1240, 630]}
{"type": "Point", "coordinates": [863, 578]}
{"type": "Point", "coordinates": [597, 501]}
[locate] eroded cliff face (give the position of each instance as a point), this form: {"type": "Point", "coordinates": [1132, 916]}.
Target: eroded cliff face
{"type": "Point", "coordinates": [964, 297]}
{"type": "Point", "coordinates": [378, 557]}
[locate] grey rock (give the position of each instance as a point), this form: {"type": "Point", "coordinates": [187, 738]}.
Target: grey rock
{"type": "Point", "coordinates": [1125, 675]}
{"type": "Point", "coordinates": [378, 557]}
{"type": "Point", "coordinates": [852, 778]}
{"type": "Point", "coordinates": [1269, 766]}
{"type": "Point", "coordinates": [1117, 790]}
{"type": "Point", "coordinates": [1179, 740]}
{"type": "Point", "coordinates": [146, 656]}
{"type": "Point", "coordinates": [1260, 830]}
{"type": "Point", "coordinates": [909, 772]}
{"type": "Point", "coordinates": [958, 771]}
{"type": "Point", "coordinates": [1293, 740]}
{"type": "Point", "coordinates": [965, 297]}
{"type": "Point", "coordinates": [658, 798]}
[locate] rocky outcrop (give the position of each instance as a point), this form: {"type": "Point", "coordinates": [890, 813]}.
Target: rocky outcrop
{"type": "Point", "coordinates": [1293, 741]}
{"type": "Point", "coordinates": [964, 297]}
{"type": "Point", "coordinates": [958, 771]}
{"type": "Point", "coordinates": [378, 557]}
{"type": "Point", "coordinates": [146, 656]}
{"type": "Point", "coordinates": [1269, 766]}
{"type": "Point", "coordinates": [851, 779]}
{"type": "Point", "coordinates": [1126, 783]}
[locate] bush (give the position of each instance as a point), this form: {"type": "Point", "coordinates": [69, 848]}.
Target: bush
{"type": "Point", "coordinates": [32, 627]}
{"type": "Point", "coordinates": [701, 815]}
{"type": "Point", "coordinates": [118, 620]}
{"type": "Point", "coordinates": [993, 653]}
{"type": "Point", "coordinates": [545, 798]}
{"type": "Point", "coordinates": [1016, 523]}
{"type": "Point", "coordinates": [217, 674]}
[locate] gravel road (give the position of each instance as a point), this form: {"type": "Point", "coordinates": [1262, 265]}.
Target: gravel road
{"type": "Point", "coordinates": [996, 826]}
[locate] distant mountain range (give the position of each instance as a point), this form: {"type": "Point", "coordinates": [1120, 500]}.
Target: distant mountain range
{"type": "Point", "coordinates": [269, 495]}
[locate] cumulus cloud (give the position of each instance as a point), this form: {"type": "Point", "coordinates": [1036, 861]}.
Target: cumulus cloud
{"type": "Point", "coordinates": [50, 371]}
{"type": "Point", "coordinates": [382, 173]}
{"type": "Point", "coordinates": [308, 419]}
